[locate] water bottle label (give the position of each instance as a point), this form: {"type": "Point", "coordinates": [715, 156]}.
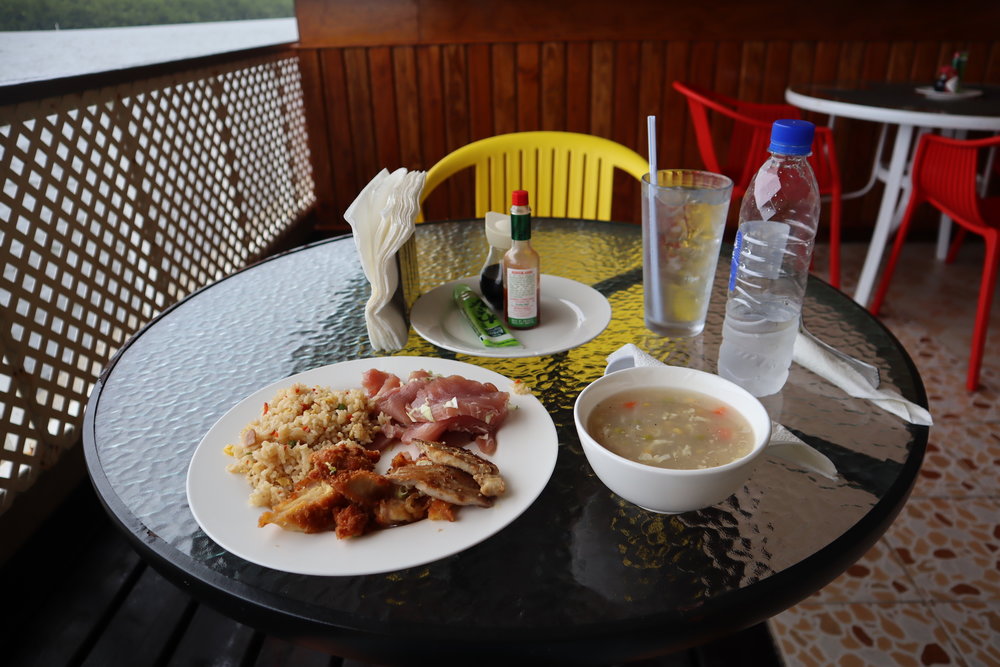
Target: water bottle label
{"type": "Point", "coordinates": [770, 246]}
{"type": "Point", "coordinates": [760, 249]}
{"type": "Point", "coordinates": [765, 188]}
{"type": "Point", "coordinates": [734, 267]}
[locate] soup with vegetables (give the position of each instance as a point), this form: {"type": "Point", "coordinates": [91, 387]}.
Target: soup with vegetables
{"type": "Point", "coordinates": [671, 428]}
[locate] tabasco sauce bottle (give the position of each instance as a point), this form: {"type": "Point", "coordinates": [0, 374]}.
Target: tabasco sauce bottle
{"type": "Point", "coordinates": [521, 273]}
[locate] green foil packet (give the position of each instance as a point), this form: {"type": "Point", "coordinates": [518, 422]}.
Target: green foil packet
{"type": "Point", "coordinates": [483, 320]}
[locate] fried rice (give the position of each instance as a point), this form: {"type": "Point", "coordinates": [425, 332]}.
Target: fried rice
{"type": "Point", "coordinates": [274, 450]}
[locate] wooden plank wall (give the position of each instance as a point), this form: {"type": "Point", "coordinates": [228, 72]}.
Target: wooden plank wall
{"type": "Point", "coordinates": [403, 82]}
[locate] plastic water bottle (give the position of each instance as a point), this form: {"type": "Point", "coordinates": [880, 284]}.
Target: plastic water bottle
{"type": "Point", "coordinates": [771, 258]}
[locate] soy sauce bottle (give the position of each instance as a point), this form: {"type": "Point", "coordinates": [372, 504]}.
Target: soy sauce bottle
{"type": "Point", "coordinates": [491, 275]}
{"type": "Point", "coordinates": [521, 272]}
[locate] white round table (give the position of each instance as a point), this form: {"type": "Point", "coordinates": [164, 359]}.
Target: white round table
{"type": "Point", "coordinates": [898, 104]}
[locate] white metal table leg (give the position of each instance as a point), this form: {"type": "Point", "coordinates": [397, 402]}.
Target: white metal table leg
{"type": "Point", "coordinates": [943, 238]}
{"type": "Point", "coordinates": [886, 212]}
{"type": "Point", "coordinates": [876, 168]}
{"type": "Point", "coordinates": [944, 224]}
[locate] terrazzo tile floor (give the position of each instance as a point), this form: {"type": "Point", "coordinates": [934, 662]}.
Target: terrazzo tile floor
{"type": "Point", "coordinates": [928, 593]}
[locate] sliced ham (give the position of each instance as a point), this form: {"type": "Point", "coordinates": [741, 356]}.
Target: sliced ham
{"type": "Point", "coordinates": [427, 407]}
{"type": "Point", "coordinates": [377, 382]}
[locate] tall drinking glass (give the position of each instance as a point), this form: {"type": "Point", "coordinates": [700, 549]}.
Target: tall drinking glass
{"type": "Point", "coordinates": [683, 219]}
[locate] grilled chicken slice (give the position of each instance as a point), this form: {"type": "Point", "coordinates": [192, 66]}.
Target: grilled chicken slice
{"type": "Point", "coordinates": [442, 482]}
{"type": "Point", "coordinates": [486, 474]}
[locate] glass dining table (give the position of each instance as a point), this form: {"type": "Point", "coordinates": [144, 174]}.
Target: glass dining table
{"type": "Point", "coordinates": [579, 575]}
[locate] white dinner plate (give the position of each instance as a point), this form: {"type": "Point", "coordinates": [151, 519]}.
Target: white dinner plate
{"type": "Point", "coordinates": [571, 314]}
{"type": "Point", "coordinates": [527, 446]}
{"type": "Point", "coordinates": [930, 93]}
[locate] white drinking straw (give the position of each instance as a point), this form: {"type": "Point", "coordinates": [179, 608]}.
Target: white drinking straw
{"type": "Point", "coordinates": [653, 252]}
{"type": "Point", "coordinates": [651, 134]}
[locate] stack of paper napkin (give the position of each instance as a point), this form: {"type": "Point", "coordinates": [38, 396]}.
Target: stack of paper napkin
{"type": "Point", "coordinates": [382, 219]}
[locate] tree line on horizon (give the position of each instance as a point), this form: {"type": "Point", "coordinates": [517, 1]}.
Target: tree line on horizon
{"type": "Point", "coordinates": [73, 14]}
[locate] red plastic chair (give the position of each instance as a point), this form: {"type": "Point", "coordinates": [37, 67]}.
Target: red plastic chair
{"type": "Point", "coordinates": [747, 150]}
{"type": "Point", "coordinates": [944, 175]}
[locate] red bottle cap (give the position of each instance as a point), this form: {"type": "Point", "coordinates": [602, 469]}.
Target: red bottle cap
{"type": "Point", "coordinates": [519, 198]}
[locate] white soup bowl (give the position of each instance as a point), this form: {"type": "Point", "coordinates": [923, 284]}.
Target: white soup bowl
{"type": "Point", "coordinates": [666, 490]}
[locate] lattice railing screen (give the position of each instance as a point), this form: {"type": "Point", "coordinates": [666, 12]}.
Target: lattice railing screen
{"type": "Point", "coordinates": [116, 203]}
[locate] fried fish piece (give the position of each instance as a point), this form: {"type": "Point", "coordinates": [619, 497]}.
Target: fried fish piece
{"type": "Point", "coordinates": [331, 459]}
{"type": "Point", "coordinates": [442, 482]}
{"type": "Point", "coordinates": [396, 510]}
{"type": "Point", "coordinates": [486, 473]}
{"type": "Point", "coordinates": [352, 521]}
{"type": "Point", "coordinates": [308, 510]}
{"type": "Point", "coordinates": [362, 487]}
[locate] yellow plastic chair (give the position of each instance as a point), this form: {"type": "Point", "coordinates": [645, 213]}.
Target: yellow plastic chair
{"type": "Point", "coordinates": [567, 174]}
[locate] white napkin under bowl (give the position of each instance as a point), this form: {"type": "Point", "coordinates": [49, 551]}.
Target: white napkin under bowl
{"type": "Point", "coordinates": [783, 444]}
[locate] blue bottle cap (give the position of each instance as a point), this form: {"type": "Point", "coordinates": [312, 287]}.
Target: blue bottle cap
{"type": "Point", "coordinates": [792, 137]}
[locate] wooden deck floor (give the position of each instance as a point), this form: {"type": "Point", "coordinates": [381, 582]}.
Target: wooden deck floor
{"type": "Point", "coordinates": [84, 597]}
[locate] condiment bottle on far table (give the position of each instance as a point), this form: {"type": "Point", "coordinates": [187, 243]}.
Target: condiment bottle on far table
{"type": "Point", "coordinates": [521, 272]}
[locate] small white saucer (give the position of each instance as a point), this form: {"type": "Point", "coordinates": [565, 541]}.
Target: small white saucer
{"type": "Point", "coordinates": [964, 94]}
{"type": "Point", "coordinates": [571, 314]}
